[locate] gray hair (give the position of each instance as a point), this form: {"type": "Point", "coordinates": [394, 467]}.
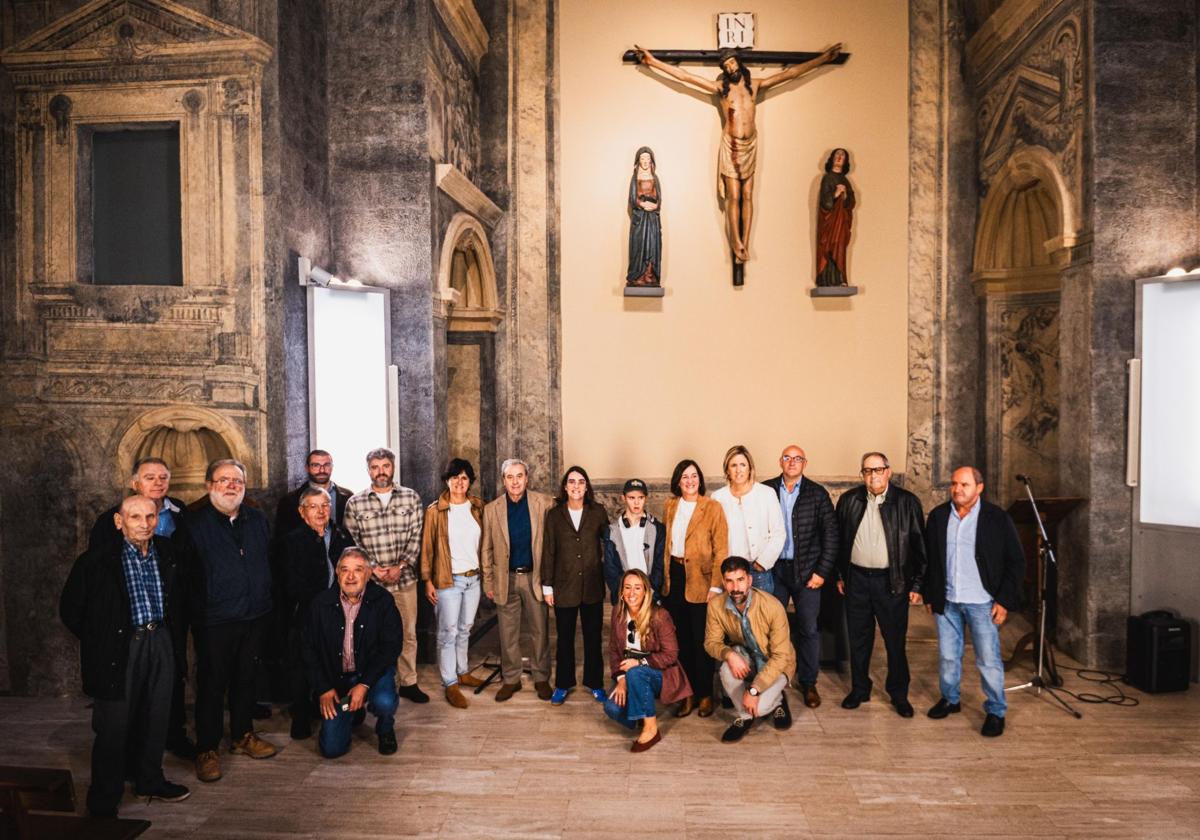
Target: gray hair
{"type": "Point", "coordinates": [863, 461]}
{"type": "Point", "coordinates": [381, 453]}
{"type": "Point", "coordinates": [309, 491]}
{"type": "Point", "coordinates": [223, 462]}
{"type": "Point", "coordinates": [509, 463]}
{"type": "Point", "coordinates": [353, 551]}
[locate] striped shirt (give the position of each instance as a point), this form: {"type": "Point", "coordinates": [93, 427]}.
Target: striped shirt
{"type": "Point", "coordinates": [391, 536]}
{"type": "Point", "coordinates": [143, 584]}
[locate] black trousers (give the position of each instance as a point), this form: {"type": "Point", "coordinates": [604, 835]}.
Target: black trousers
{"type": "Point", "coordinates": [869, 600]}
{"type": "Point", "coordinates": [131, 733]}
{"type": "Point", "coordinates": [806, 635]}
{"type": "Point", "coordinates": [303, 709]}
{"type": "Point", "coordinates": [226, 663]}
{"type": "Point", "coordinates": [592, 618]}
{"type": "Point", "coordinates": [177, 720]}
{"type": "Point", "coordinates": [689, 621]}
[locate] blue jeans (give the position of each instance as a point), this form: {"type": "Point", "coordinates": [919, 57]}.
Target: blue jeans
{"type": "Point", "coordinates": [642, 685]}
{"type": "Point", "coordinates": [456, 607]}
{"type": "Point", "coordinates": [334, 739]}
{"type": "Point", "coordinates": [763, 580]}
{"type": "Point", "coordinates": [985, 636]}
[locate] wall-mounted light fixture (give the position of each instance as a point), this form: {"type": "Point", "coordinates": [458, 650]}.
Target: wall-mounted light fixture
{"type": "Point", "coordinates": [314, 275]}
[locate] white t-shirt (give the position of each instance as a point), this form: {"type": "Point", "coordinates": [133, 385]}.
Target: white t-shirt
{"type": "Point", "coordinates": [464, 539]}
{"type": "Point", "coordinates": [384, 498]}
{"type": "Point", "coordinates": [633, 539]}
{"type": "Point", "coordinates": [576, 517]}
{"type": "Point", "coordinates": [683, 516]}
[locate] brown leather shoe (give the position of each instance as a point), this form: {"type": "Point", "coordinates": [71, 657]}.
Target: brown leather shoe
{"type": "Point", "coordinates": [705, 707]}
{"type": "Point", "coordinates": [685, 708]}
{"type": "Point", "coordinates": [454, 697]}
{"type": "Point", "coordinates": [811, 698]}
{"type": "Point", "coordinates": [208, 766]}
{"type": "Point", "coordinates": [642, 746]}
{"type": "Point", "coordinates": [253, 746]}
{"type": "Point", "coordinates": [506, 691]}
{"type": "Point", "coordinates": [469, 680]}
{"type": "Point", "coordinates": [544, 691]}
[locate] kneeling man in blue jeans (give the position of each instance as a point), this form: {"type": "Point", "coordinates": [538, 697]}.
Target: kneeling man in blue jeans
{"type": "Point", "coordinates": [352, 640]}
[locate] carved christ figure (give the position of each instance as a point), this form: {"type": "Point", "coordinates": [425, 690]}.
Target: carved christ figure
{"type": "Point", "coordinates": [737, 96]}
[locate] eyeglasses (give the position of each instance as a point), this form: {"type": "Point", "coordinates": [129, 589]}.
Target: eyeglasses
{"type": "Point", "coordinates": [229, 482]}
{"type": "Point", "coordinates": [632, 627]}
{"type": "Point", "coordinates": [874, 470]}
{"type": "Point", "coordinates": [793, 459]}
{"type": "Point", "coordinates": [316, 506]}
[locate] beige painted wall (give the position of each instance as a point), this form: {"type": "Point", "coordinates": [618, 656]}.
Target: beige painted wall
{"type": "Point", "coordinates": [647, 383]}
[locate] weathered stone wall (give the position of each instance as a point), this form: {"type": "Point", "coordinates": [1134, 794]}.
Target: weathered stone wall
{"type": "Point", "coordinates": [297, 198]}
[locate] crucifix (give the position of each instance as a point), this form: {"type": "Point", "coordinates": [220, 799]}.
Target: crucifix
{"type": "Point", "coordinates": [737, 96]}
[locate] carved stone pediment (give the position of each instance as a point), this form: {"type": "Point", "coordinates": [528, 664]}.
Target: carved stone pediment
{"type": "Point", "coordinates": [115, 32]}
{"type": "Point", "coordinates": [1027, 91]}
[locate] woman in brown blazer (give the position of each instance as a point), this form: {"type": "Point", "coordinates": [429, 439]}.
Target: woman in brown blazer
{"type": "Point", "coordinates": [643, 655]}
{"type": "Point", "coordinates": [450, 569]}
{"type": "Point", "coordinates": [697, 541]}
{"type": "Point", "coordinates": [573, 582]}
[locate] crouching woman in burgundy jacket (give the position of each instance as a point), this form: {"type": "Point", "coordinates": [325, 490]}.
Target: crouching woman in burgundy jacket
{"type": "Point", "coordinates": [643, 656]}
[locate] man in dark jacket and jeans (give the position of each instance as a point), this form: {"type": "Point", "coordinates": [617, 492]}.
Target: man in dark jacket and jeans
{"type": "Point", "coordinates": [808, 558]}
{"type": "Point", "coordinates": [881, 566]}
{"type": "Point", "coordinates": [973, 579]}
{"type": "Point", "coordinates": [122, 601]}
{"type": "Point", "coordinates": [352, 640]}
{"type": "Point", "coordinates": [232, 582]}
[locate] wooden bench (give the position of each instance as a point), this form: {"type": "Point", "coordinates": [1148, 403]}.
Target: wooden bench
{"type": "Point", "coordinates": [27, 792]}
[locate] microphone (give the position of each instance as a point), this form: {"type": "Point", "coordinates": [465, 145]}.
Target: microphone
{"type": "Point", "coordinates": [1021, 478]}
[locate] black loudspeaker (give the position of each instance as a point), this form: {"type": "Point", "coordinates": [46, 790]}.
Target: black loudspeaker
{"type": "Point", "coordinates": [1158, 652]}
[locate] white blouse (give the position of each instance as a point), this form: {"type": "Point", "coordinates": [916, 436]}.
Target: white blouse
{"type": "Point", "coordinates": [756, 528]}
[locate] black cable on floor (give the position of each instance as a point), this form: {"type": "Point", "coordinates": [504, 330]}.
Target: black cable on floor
{"type": "Point", "coordinates": [1103, 678]}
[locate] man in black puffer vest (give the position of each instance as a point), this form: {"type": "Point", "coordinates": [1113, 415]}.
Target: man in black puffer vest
{"type": "Point", "coordinates": [232, 603]}
{"type": "Point", "coordinates": [808, 558]}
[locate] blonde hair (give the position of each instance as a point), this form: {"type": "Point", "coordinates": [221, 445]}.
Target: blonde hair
{"type": "Point", "coordinates": [733, 452]}
{"type": "Point", "coordinates": [642, 622]}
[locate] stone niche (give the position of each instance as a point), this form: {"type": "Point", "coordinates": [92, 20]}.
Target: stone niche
{"type": "Point", "coordinates": [113, 372]}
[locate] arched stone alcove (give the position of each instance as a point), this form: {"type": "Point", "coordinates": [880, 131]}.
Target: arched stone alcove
{"type": "Point", "coordinates": [470, 305]}
{"type": "Point", "coordinates": [1027, 224]}
{"type": "Point", "coordinates": [187, 438]}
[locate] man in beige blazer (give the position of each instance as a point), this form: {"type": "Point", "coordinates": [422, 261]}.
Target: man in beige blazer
{"type": "Point", "coordinates": [511, 563]}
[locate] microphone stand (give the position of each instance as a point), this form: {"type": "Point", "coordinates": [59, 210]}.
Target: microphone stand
{"type": "Point", "coordinates": [1045, 552]}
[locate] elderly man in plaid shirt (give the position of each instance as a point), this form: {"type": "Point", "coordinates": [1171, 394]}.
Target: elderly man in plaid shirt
{"type": "Point", "coordinates": [385, 520]}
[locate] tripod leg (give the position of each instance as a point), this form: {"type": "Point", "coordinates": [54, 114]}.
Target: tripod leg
{"type": "Point", "coordinates": [1052, 677]}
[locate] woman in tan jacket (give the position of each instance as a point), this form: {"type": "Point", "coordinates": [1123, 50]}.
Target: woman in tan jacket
{"type": "Point", "coordinates": [450, 569]}
{"type": "Point", "coordinates": [697, 542]}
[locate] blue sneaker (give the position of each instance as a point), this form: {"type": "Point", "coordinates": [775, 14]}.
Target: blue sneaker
{"type": "Point", "coordinates": [558, 697]}
{"type": "Point", "coordinates": [599, 695]}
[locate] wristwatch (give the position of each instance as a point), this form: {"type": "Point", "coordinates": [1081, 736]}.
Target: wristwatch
{"type": "Point", "coordinates": [754, 692]}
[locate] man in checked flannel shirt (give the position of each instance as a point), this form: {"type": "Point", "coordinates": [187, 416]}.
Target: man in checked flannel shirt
{"type": "Point", "coordinates": [385, 520]}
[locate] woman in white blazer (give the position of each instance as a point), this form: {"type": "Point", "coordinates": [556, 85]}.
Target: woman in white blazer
{"type": "Point", "coordinates": [755, 519]}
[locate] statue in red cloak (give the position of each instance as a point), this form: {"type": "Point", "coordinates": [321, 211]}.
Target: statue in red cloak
{"type": "Point", "coordinates": [835, 215]}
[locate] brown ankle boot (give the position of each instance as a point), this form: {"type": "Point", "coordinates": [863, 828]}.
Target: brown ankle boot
{"type": "Point", "coordinates": [454, 697]}
{"type": "Point", "coordinates": [469, 680]}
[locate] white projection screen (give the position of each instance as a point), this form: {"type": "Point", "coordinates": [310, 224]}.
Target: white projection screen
{"type": "Point", "coordinates": [1169, 338]}
{"type": "Point", "coordinates": [348, 377]}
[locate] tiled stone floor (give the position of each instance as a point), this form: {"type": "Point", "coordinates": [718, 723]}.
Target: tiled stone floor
{"type": "Point", "coordinates": [526, 769]}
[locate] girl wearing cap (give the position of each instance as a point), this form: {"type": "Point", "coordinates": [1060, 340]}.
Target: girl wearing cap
{"type": "Point", "coordinates": [643, 656]}
{"type": "Point", "coordinates": [635, 540]}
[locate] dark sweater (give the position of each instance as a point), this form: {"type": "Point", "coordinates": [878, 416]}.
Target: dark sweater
{"type": "Point", "coordinates": [232, 568]}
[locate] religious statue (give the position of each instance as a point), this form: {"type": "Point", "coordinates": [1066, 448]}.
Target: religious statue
{"type": "Point", "coordinates": [737, 96]}
{"type": "Point", "coordinates": [835, 216]}
{"type": "Point", "coordinates": [645, 227]}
